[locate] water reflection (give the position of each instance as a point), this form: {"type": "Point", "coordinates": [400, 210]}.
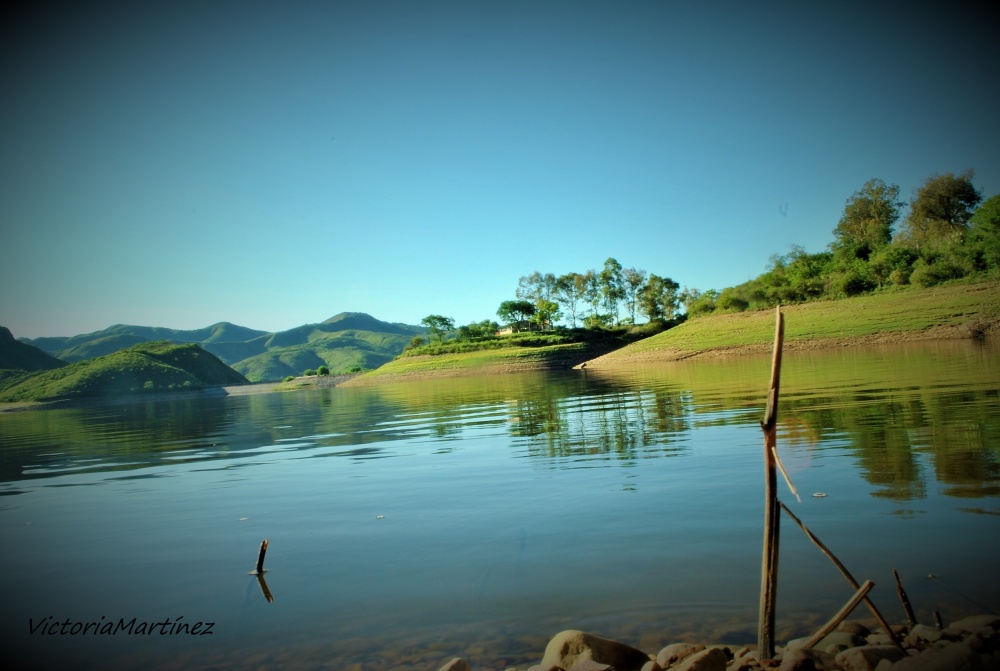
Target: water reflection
{"type": "Point", "coordinates": [473, 510]}
{"type": "Point", "coordinates": [908, 416]}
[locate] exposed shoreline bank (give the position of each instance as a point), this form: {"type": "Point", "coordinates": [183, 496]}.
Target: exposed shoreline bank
{"type": "Point", "coordinates": [621, 358]}
{"type": "Point", "coordinates": [972, 642]}
{"type": "Point", "coordinates": [969, 311]}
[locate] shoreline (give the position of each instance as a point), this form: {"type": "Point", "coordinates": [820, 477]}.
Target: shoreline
{"type": "Point", "coordinates": [971, 642]}
{"type": "Point", "coordinates": [617, 358]}
{"type": "Point", "coordinates": [180, 395]}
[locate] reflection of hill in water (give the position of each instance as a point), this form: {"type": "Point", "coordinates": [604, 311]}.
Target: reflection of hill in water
{"type": "Point", "coordinates": [907, 414]}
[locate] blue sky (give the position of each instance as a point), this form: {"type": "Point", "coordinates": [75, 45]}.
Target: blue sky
{"type": "Point", "coordinates": [272, 164]}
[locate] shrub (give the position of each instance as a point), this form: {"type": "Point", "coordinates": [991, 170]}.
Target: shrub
{"type": "Point", "coordinates": [728, 301]}
{"type": "Point", "coordinates": [900, 277]}
{"type": "Point", "coordinates": [929, 274]}
{"type": "Point", "coordinates": [309, 372]}
{"type": "Point", "coordinates": [322, 370]}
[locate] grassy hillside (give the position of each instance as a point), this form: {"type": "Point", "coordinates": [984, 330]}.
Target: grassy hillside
{"type": "Point", "coordinates": [120, 336]}
{"type": "Point", "coordinates": [508, 359]}
{"type": "Point", "coordinates": [15, 355]}
{"type": "Point", "coordinates": [523, 351]}
{"type": "Point", "coordinates": [154, 366]}
{"type": "Point", "coordinates": [346, 341]}
{"type": "Point", "coordinates": [954, 310]}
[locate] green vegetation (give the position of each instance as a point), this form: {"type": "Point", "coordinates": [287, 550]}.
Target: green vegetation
{"type": "Point", "coordinates": [346, 341]}
{"type": "Point", "coordinates": [18, 359]}
{"type": "Point", "coordinates": [969, 307]}
{"type": "Point", "coordinates": [152, 366]}
{"type": "Point", "coordinates": [532, 350]}
{"type": "Point", "coordinates": [944, 237]}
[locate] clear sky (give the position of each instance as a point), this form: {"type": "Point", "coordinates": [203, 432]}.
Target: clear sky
{"type": "Point", "coordinates": [272, 164]}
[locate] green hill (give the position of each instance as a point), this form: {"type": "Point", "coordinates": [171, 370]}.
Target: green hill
{"type": "Point", "coordinates": [22, 356]}
{"type": "Point", "coordinates": [346, 341]}
{"type": "Point", "coordinates": [152, 366]}
{"type": "Point", "coordinates": [120, 336]}
{"type": "Point", "coordinates": [958, 310]}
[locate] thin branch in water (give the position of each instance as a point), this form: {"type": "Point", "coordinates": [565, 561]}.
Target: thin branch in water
{"type": "Point", "coordinates": [847, 574]}
{"type": "Point", "coordinates": [788, 480]}
{"type": "Point", "coordinates": [841, 614]}
{"type": "Point", "coordinates": [911, 619]}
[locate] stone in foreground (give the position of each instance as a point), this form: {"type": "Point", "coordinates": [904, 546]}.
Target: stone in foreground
{"type": "Point", "coordinates": [571, 646]}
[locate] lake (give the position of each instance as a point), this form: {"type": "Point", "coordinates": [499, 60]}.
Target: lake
{"type": "Point", "coordinates": [412, 522]}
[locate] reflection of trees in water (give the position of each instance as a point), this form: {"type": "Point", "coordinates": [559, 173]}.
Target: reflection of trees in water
{"type": "Point", "coordinates": [895, 437]}
{"type": "Point", "coordinates": [624, 424]}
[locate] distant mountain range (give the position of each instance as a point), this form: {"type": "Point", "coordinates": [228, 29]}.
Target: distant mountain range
{"type": "Point", "coordinates": [344, 342]}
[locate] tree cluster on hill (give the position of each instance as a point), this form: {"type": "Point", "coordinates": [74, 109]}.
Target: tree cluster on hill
{"type": "Point", "coordinates": [607, 299]}
{"type": "Point", "coordinates": [612, 296]}
{"type": "Point", "coordinates": [948, 233]}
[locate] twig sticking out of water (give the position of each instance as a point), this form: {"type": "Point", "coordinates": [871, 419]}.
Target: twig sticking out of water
{"type": "Point", "coordinates": [841, 614]}
{"type": "Point", "coordinates": [911, 619]}
{"type": "Point", "coordinates": [843, 570]}
{"type": "Point", "coordinates": [260, 559]}
{"type": "Point", "coordinates": [772, 517]}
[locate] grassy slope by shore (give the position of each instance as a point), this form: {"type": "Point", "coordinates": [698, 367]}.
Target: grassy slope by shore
{"type": "Point", "coordinates": [151, 366]}
{"type": "Point", "coordinates": [480, 362]}
{"type": "Point", "coordinates": [959, 310]}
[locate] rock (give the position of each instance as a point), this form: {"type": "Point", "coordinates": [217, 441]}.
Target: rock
{"type": "Point", "coordinates": [568, 647]}
{"type": "Point", "coordinates": [953, 657]}
{"type": "Point", "coordinates": [591, 665]}
{"type": "Point", "coordinates": [879, 638]}
{"type": "Point", "coordinates": [676, 652]}
{"type": "Point", "coordinates": [457, 664]}
{"type": "Point", "coordinates": [854, 627]}
{"type": "Point", "coordinates": [846, 639]}
{"type": "Point", "coordinates": [713, 659]}
{"type": "Point", "coordinates": [867, 657]}
{"type": "Point", "coordinates": [744, 659]}
{"type": "Point", "coordinates": [970, 624]}
{"type": "Point", "coordinates": [651, 666]}
{"type": "Point", "coordinates": [807, 660]}
{"type": "Point", "coordinates": [922, 636]}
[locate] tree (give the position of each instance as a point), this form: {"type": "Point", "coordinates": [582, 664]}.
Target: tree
{"type": "Point", "coordinates": [512, 312]}
{"type": "Point", "coordinates": [570, 290]}
{"type": "Point", "coordinates": [632, 283]}
{"type": "Point", "coordinates": [984, 235]}
{"type": "Point", "coordinates": [592, 291]}
{"type": "Point", "coordinates": [536, 287]}
{"type": "Point", "coordinates": [869, 215]}
{"type": "Point", "coordinates": [940, 210]}
{"type": "Point", "coordinates": [484, 329]}
{"type": "Point", "coordinates": [611, 286]}
{"type": "Point", "coordinates": [438, 325]}
{"type": "Point", "coordinates": [546, 312]}
{"type": "Point", "coordinates": [658, 299]}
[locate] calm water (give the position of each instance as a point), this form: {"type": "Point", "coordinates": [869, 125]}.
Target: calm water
{"type": "Point", "coordinates": [410, 523]}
